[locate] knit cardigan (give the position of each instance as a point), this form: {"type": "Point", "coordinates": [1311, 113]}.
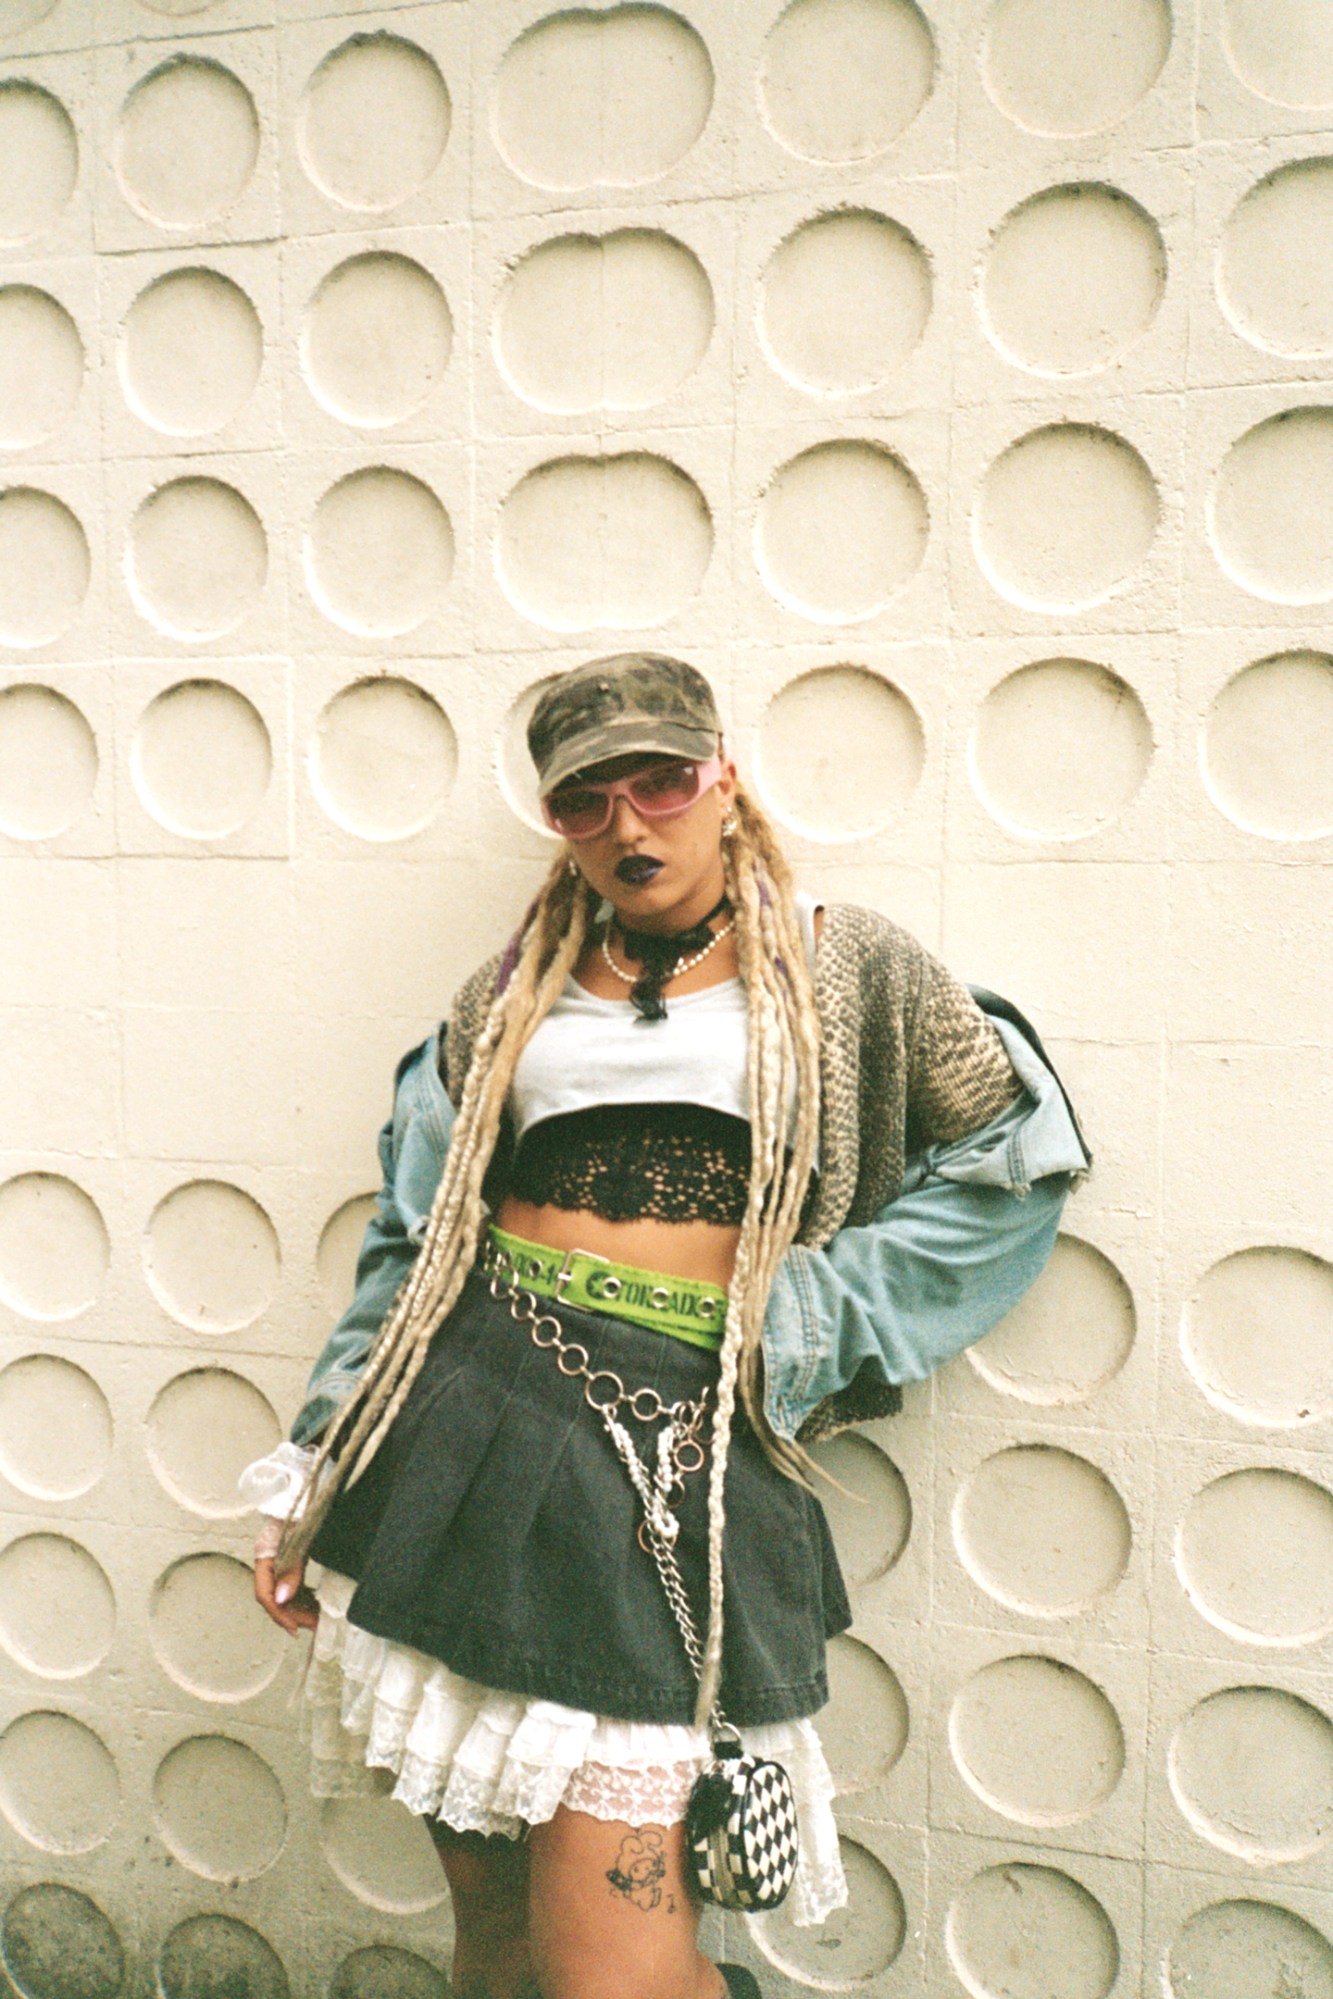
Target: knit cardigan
{"type": "Point", "coordinates": [908, 1059]}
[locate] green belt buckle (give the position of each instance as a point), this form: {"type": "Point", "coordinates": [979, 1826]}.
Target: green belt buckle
{"type": "Point", "coordinates": [651, 1298]}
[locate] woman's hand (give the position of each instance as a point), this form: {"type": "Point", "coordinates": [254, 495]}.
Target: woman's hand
{"type": "Point", "coordinates": [286, 1598]}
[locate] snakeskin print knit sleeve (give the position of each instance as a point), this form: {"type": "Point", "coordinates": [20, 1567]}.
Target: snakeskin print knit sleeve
{"type": "Point", "coordinates": [959, 1076]}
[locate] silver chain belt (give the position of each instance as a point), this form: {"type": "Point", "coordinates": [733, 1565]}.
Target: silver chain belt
{"type": "Point", "coordinates": [680, 1450]}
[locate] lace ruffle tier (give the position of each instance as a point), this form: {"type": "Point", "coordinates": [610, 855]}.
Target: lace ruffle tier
{"type": "Point", "coordinates": [382, 1717]}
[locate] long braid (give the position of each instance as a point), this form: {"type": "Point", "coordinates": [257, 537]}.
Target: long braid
{"type": "Point", "coordinates": [556, 932]}
{"type": "Point", "coordinates": [783, 1038]}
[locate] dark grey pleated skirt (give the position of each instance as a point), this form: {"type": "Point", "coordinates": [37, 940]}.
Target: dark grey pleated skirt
{"type": "Point", "coordinates": [495, 1530]}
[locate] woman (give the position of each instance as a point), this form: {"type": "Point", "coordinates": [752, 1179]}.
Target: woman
{"type": "Point", "coordinates": [687, 1184]}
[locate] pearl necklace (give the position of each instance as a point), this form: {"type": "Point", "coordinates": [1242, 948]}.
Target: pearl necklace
{"type": "Point", "coordinates": [681, 965]}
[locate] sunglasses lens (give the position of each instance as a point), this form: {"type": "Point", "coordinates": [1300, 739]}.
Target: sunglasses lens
{"type": "Point", "coordinates": [577, 812]}
{"type": "Point", "coordinates": [665, 787]}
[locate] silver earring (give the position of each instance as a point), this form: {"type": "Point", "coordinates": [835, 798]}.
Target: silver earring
{"type": "Point", "coordinates": [729, 825]}
{"type": "Point", "coordinates": [572, 865]}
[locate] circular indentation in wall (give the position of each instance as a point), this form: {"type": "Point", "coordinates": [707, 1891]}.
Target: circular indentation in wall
{"type": "Point", "coordinates": [379, 553]}
{"type": "Point", "coordinates": [1065, 515]}
{"type": "Point", "coordinates": [840, 80]}
{"type": "Point", "coordinates": [211, 1256]}
{"type": "Point", "coordinates": [376, 339]}
{"type": "Point", "coordinates": [1065, 69]}
{"type": "Point", "coordinates": [603, 322]}
{"type": "Point", "coordinates": [57, 1609]}
{"type": "Point", "coordinates": [1251, 1948]}
{"type": "Point", "coordinates": [204, 1428]}
{"type": "Point", "coordinates": [205, 1634]}
{"type": "Point", "coordinates": [1282, 50]}
{"type": "Point", "coordinates": [1037, 1741]}
{"type": "Point", "coordinates": [864, 1729]}
{"type": "Point", "coordinates": [53, 1247]}
{"type": "Point", "coordinates": [55, 1427]}
{"type": "Point", "coordinates": [1275, 261]}
{"type": "Point", "coordinates": [1266, 751]}
{"type": "Point", "coordinates": [190, 353]}
{"type": "Point", "coordinates": [1258, 1337]}
{"type": "Point", "coordinates": [374, 122]}
{"type": "Point", "coordinates": [1059, 749]}
{"type": "Point", "coordinates": [18, 15]}
{"type": "Point", "coordinates": [57, 1944]}
{"type": "Point", "coordinates": [1067, 1337]}
{"type": "Point", "coordinates": [383, 759]}
{"type": "Point", "coordinates": [44, 567]}
{"type": "Point", "coordinates": [218, 1957]}
{"type": "Point", "coordinates": [518, 779]}
{"type": "Point", "coordinates": [1255, 1553]}
{"type": "Point", "coordinates": [618, 541]}
{"type": "Point", "coordinates": [1042, 1531]}
{"type": "Point", "coordinates": [1025, 1932]}
{"type": "Point", "coordinates": [41, 366]}
{"type": "Point", "coordinates": [219, 1808]}
{"type": "Point", "coordinates": [383, 1971]}
{"type": "Point", "coordinates": [612, 99]}
{"type": "Point", "coordinates": [39, 160]}
{"type": "Point", "coordinates": [197, 558]}
{"type": "Point", "coordinates": [187, 143]}
{"type": "Point", "coordinates": [1073, 277]}
{"type": "Point", "coordinates": [1270, 513]}
{"type": "Point", "coordinates": [841, 528]}
{"type": "Point", "coordinates": [843, 302]}
{"type": "Point", "coordinates": [201, 759]}
{"type": "Point", "coordinates": [48, 763]}
{"type": "Point", "coordinates": [871, 1527]}
{"type": "Point", "coordinates": [59, 1787]}
{"type": "Point", "coordinates": [840, 753]}
{"type": "Point", "coordinates": [855, 1944]}
{"type": "Point", "coordinates": [382, 1854]}
{"type": "Point", "coordinates": [339, 1246]}
{"type": "Point", "coordinates": [1251, 1768]}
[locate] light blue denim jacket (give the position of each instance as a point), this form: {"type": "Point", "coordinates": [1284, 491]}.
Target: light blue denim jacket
{"type": "Point", "coordinates": [970, 1230]}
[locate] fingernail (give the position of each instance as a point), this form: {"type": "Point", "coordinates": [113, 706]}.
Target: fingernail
{"type": "Point", "coordinates": [283, 1591]}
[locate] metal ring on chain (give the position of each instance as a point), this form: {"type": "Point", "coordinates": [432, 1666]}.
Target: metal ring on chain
{"type": "Point", "coordinates": [617, 1387]}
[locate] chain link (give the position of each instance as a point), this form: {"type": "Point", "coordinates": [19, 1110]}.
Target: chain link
{"type": "Point", "coordinates": [680, 1448]}
{"type": "Point", "coordinates": [645, 1404]}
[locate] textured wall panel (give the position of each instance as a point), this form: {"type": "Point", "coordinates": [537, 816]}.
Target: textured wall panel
{"type": "Point", "coordinates": [950, 381]}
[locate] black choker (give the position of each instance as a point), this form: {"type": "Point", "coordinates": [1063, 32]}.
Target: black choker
{"type": "Point", "coordinates": [659, 955]}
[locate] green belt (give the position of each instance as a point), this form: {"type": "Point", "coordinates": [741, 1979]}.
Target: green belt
{"type": "Point", "coordinates": [685, 1307]}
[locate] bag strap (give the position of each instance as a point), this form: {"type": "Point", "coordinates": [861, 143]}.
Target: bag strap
{"type": "Point", "coordinates": [661, 1527]}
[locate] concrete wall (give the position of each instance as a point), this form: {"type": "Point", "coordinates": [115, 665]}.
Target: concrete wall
{"type": "Point", "coordinates": [950, 385]}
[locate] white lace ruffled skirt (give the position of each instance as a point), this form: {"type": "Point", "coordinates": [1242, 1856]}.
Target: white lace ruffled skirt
{"type": "Point", "coordinates": [382, 1717]}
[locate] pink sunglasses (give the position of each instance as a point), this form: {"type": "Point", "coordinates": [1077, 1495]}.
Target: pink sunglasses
{"type": "Point", "coordinates": [582, 811]}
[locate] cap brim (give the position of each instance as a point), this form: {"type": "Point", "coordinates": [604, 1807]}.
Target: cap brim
{"type": "Point", "coordinates": [629, 735]}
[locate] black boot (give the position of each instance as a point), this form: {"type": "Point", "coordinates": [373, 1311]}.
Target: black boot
{"type": "Point", "coordinates": [741, 1984]}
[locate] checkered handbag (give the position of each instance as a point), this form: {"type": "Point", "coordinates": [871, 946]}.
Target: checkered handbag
{"type": "Point", "coordinates": [740, 1830]}
{"type": "Point", "coordinates": [740, 1819]}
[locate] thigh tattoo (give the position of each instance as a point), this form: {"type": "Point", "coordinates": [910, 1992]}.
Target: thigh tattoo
{"type": "Point", "coordinates": [640, 1870]}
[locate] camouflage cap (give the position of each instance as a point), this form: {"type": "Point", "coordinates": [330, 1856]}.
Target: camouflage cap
{"type": "Point", "coordinates": [631, 702]}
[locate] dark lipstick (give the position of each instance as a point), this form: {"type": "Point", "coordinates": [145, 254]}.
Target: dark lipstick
{"type": "Point", "coordinates": [637, 870]}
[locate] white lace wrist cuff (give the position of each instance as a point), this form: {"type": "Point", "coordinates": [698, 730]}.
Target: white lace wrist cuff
{"type": "Point", "coordinates": [275, 1483]}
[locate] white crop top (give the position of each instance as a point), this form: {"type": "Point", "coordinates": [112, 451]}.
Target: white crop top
{"type": "Point", "coordinates": [590, 1050]}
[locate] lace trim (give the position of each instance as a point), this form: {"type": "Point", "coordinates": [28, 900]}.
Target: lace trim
{"type": "Point", "coordinates": [275, 1483]}
{"type": "Point", "coordinates": [384, 1719]}
{"type": "Point", "coordinates": [670, 1162]}
{"type": "Point", "coordinates": [655, 1795]}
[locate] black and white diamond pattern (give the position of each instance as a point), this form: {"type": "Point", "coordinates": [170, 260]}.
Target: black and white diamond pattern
{"type": "Point", "coordinates": [746, 1858]}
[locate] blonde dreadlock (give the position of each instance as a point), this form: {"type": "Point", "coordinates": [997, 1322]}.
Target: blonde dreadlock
{"type": "Point", "coordinates": [783, 1045]}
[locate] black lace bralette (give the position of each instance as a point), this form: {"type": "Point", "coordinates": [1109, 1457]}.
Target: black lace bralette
{"type": "Point", "coordinates": [636, 1162]}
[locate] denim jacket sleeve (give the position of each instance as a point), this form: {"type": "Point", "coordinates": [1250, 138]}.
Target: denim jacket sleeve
{"type": "Point", "coordinates": [970, 1230]}
{"type": "Point", "coordinates": [412, 1146]}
